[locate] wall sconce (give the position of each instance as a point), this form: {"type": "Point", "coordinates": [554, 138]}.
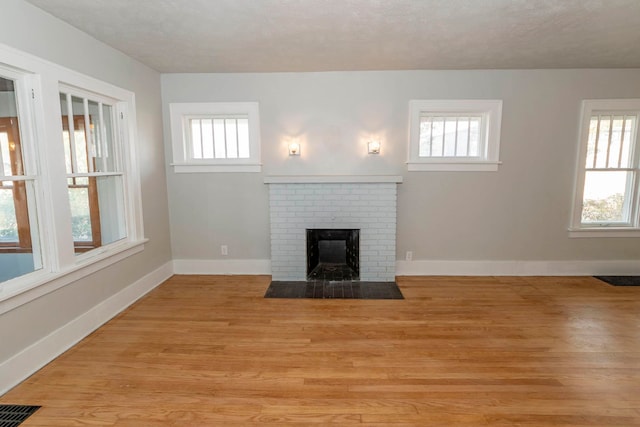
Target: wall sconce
{"type": "Point", "coordinates": [374, 147]}
{"type": "Point", "coordinates": [294, 149]}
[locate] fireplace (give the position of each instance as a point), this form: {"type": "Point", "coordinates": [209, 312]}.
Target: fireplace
{"type": "Point", "coordinates": [341, 204]}
{"type": "Point", "coordinates": [333, 254]}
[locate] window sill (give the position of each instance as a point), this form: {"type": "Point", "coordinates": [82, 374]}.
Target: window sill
{"type": "Point", "coordinates": [205, 168]}
{"type": "Point", "coordinates": [604, 232]}
{"type": "Point", "coordinates": [21, 290]}
{"type": "Point", "coordinates": [480, 166]}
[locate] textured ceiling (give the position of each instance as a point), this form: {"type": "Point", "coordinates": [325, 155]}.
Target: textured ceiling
{"type": "Point", "coordinates": [322, 35]}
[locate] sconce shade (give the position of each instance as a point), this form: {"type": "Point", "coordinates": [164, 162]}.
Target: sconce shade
{"type": "Point", "coordinates": [374, 147]}
{"type": "Point", "coordinates": [294, 149]}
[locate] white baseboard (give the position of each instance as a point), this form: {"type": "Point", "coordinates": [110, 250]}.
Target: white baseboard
{"type": "Point", "coordinates": [434, 267]}
{"type": "Point", "coordinates": [517, 268]}
{"type": "Point", "coordinates": [31, 359]}
{"type": "Point", "coordinates": [231, 266]}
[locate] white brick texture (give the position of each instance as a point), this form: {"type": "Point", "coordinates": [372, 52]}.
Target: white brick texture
{"type": "Point", "coordinates": [369, 207]}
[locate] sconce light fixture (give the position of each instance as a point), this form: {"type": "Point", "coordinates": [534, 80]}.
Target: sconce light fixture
{"type": "Point", "coordinates": [294, 149]}
{"type": "Point", "coordinates": [374, 147]}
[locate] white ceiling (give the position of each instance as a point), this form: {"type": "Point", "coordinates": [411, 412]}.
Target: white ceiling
{"type": "Point", "coordinates": [322, 35]}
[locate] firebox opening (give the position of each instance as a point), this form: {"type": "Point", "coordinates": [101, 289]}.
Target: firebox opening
{"type": "Point", "coordinates": [333, 254]}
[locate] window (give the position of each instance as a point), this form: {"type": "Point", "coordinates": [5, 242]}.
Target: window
{"type": "Point", "coordinates": [454, 135]}
{"type": "Point", "coordinates": [93, 169]}
{"type": "Point", "coordinates": [606, 201]}
{"type": "Point", "coordinates": [69, 185]}
{"type": "Point", "coordinates": [19, 248]}
{"type": "Point", "coordinates": [215, 137]}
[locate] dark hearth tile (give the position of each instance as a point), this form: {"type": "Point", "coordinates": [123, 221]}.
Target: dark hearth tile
{"type": "Point", "coordinates": [319, 289]}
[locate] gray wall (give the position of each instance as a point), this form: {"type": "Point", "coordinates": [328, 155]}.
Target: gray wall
{"type": "Point", "coordinates": [33, 31]}
{"type": "Point", "coordinates": [520, 212]}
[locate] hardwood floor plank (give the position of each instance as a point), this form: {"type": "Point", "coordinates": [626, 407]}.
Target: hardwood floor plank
{"type": "Point", "coordinates": [463, 351]}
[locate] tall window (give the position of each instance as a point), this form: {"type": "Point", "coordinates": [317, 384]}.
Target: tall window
{"type": "Point", "coordinates": [94, 176]}
{"type": "Point", "coordinates": [19, 244]}
{"type": "Point", "coordinates": [69, 183]}
{"type": "Point", "coordinates": [215, 137]}
{"type": "Point", "coordinates": [608, 173]}
{"type": "Point", "coordinates": [456, 135]}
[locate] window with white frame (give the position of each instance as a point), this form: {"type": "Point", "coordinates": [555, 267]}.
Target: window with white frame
{"type": "Point", "coordinates": [606, 193]}
{"type": "Point", "coordinates": [454, 135]}
{"type": "Point", "coordinates": [215, 137]}
{"type": "Point", "coordinates": [94, 171]}
{"type": "Point", "coordinates": [69, 182]}
{"type": "Point", "coordinates": [20, 251]}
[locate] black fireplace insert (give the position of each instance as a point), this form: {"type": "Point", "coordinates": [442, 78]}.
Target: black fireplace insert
{"type": "Point", "coordinates": [333, 254]}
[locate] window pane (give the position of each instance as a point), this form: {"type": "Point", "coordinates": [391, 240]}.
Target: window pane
{"type": "Point", "coordinates": [425, 137]}
{"type": "Point", "coordinates": [17, 233]}
{"type": "Point", "coordinates": [219, 138]}
{"type": "Point", "coordinates": [207, 139]}
{"type": "Point", "coordinates": [463, 137]}
{"type": "Point", "coordinates": [450, 137]}
{"type": "Point", "coordinates": [111, 206]}
{"type": "Point", "coordinates": [8, 221]}
{"type": "Point", "coordinates": [80, 214]}
{"type": "Point", "coordinates": [5, 155]}
{"type": "Point", "coordinates": [624, 160]}
{"type": "Point", "coordinates": [231, 134]}
{"type": "Point", "coordinates": [437, 137]}
{"type": "Point", "coordinates": [79, 132]}
{"type": "Point", "coordinates": [97, 211]}
{"type": "Point", "coordinates": [101, 137]}
{"type": "Point", "coordinates": [109, 153]}
{"type": "Point", "coordinates": [606, 196]}
{"type": "Point", "coordinates": [243, 138]}
{"type": "Point", "coordinates": [474, 137]}
{"type": "Point", "coordinates": [196, 138]}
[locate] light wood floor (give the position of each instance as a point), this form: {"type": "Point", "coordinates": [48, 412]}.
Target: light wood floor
{"type": "Point", "coordinates": [210, 351]}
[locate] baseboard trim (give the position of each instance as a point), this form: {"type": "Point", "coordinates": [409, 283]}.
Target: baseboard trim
{"type": "Point", "coordinates": [517, 268]}
{"type": "Point", "coordinates": [24, 364]}
{"type": "Point", "coordinates": [231, 266]}
{"type": "Point", "coordinates": [433, 267]}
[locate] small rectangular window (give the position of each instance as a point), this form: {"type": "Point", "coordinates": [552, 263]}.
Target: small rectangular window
{"type": "Point", "coordinates": [450, 136]}
{"type": "Point", "coordinates": [215, 137]}
{"type": "Point", "coordinates": [454, 135]}
{"type": "Point", "coordinates": [219, 137]}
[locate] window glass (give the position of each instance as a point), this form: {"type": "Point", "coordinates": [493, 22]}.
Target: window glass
{"type": "Point", "coordinates": [19, 253]}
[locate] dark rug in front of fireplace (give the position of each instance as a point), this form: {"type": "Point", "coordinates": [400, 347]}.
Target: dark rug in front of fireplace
{"type": "Point", "coordinates": [347, 289]}
{"type": "Point", "coordinates": [620, 280]}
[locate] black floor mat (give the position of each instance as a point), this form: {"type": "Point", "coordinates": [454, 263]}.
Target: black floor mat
{"type": "Point", "coordinates": [620, 280]}
{"type": "Point", "coordinates": [334, 290]}
{"type": "Point", "coordinates": [14, 415]}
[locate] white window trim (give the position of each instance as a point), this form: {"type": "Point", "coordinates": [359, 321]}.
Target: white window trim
{"type": "Point", "coordinates": [60, 265]}
{"type": "Point", "coordinates": [576, 228]}
{"type": "Point", "coordinates": [180, 113]}
{"type": "Point", "coordinates": [490, 109]}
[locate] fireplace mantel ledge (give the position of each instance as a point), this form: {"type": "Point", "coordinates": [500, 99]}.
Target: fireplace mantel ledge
{"type": "Point", "coordinates": [332, 179]}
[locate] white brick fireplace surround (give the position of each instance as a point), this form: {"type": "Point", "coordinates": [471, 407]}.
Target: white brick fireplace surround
{"type": "Point", "coordinates": [367, 203]}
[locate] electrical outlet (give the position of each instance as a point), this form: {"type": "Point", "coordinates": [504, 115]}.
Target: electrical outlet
{"type": "Point", "coordinates": [224, 250]}
{"type": "Point", "coordinates": [408, 256]}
